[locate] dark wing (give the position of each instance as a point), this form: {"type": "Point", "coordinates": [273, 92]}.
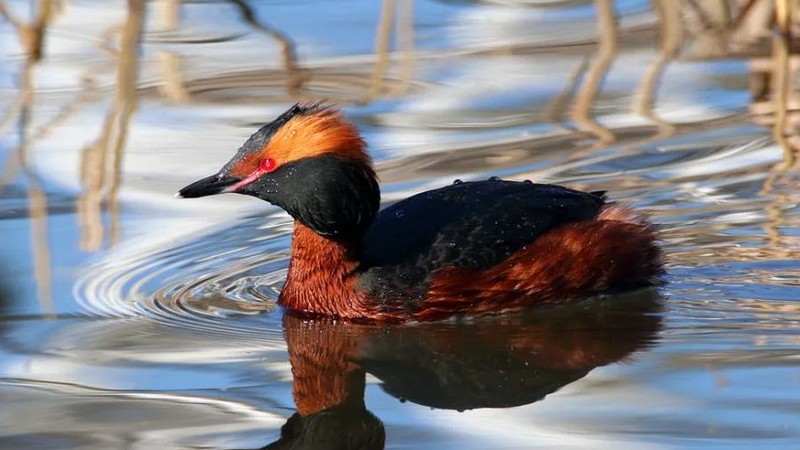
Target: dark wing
{"type": "Point", "coordinates": [472, 225]}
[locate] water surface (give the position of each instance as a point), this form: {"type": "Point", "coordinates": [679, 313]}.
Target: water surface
{"type": "Point", "coordinates": [130, 319]}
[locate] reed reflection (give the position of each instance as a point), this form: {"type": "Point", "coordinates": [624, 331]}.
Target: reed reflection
{"type": "Point", "coordinates": [493, 362]}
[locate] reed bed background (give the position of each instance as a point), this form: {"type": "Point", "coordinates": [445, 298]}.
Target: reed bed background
{"type": "Point", "coordinates": [762, 32]}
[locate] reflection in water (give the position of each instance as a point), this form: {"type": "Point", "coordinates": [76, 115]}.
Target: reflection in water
{"type": "Point", "coordinates": [294, 75]}
{"type": "Point", "coordinates": [606, 51]}
{"type": "Point", "coordinates": [670, 39]}
{"type": "Point", "coordinates": [101, 166]}
{"type": "Point", "coordinates": [492, 362]}
{"type": "Point", "coordinates": [32, 36]}
{"type": "Point", "coordinates": [328, 388]}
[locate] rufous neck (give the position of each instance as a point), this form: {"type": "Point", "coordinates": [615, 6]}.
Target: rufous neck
{"type": "Point", "coordinates": [321, 278]}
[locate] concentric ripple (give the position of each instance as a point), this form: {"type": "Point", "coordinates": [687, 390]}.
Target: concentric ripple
{"type": "Point", "coordinates": [234, 271]}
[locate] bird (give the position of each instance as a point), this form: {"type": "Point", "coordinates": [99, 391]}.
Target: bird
{"type": "Point", "coordinates": [466, 249]}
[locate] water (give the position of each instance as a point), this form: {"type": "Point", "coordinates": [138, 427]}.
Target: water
{"type": "Point", "coordinates": [129, 319]}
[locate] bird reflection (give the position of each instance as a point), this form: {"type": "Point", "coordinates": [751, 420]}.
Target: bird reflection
{"type": "Point", "coordinates": [491, 362]}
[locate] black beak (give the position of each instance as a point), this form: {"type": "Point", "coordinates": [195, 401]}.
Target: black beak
{"type": "Point", "coordinates": [215, 184]}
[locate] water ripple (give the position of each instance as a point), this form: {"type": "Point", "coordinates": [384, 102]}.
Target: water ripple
{"type": "Point", "coordinates": [234, 271]}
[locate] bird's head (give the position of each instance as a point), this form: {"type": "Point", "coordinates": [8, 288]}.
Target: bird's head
{"type": "Point", "coordinates": [309, 161]}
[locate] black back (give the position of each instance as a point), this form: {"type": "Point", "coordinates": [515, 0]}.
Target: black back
{"type": "Point", "coordinates": [472, 225]}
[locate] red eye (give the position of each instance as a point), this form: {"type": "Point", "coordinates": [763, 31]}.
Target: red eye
{"type": "Point", "coordinates": [268, 165]}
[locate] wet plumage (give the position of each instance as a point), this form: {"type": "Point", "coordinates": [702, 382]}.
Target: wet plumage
{"type": "Point", "coordinates": [469, 225]}
{"type": "Point", "coordinates": [467, 248]}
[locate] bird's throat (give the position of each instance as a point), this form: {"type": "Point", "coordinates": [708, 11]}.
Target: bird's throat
{"type": "Point", "coordinates": [321, 278]}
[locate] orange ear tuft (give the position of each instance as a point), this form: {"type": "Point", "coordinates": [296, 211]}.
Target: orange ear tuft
{"type": "Point", "coordinates": [322, 131]}
{"type": "Point", "coordinates": [305, 130]}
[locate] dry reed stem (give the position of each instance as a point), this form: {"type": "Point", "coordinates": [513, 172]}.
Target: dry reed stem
{"type": "Point", "coordinates": [558, 105]}
{"type": "Point", "coordinates": [783, 81]}
{"type": "Point", "coordinates": [169, 14]}
{"type": "Point", "coordinates": [102, 161]}
{"type": "Point", "coordinates": [671, 36]}
{"type": "Point", "coordinates": [606, 52]}
{"type": "Point", "coordinates": [33, 38]}
{"type": "Point", "coordinates": [296, 77]}
{"type": "Point", "coordinates": [127, 76]}
{"type": "Point", "coordinates": [782, 74]}
{"type": "Point", "coordinates": [405, 41]}
{"type": "Point", "coordinates": [382, 39]}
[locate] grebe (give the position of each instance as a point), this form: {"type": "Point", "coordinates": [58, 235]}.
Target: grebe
{"type": "Point", "coordinates": [468, 248]}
